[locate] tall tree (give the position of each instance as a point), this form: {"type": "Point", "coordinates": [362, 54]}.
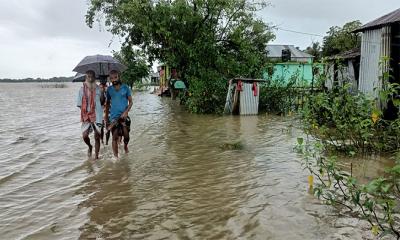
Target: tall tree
{"type": "Point", "coordinates": [315, 50]}
{"type": "Point", "coordinates": [137, 66]}
{"type": "Point", "coordinates": [206, 40]}
{"type": "Point", "coordinates": [340, 39]}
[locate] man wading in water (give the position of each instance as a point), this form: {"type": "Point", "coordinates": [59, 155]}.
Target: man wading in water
{"type": "Point", "coordinates": [104, 86]}
{"type": "Point", "coordinates": [119, 103]}
{"type": "Point", "coordinates": [90, 100]}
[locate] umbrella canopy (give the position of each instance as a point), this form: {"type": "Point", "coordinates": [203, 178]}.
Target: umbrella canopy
{"type": "Point", "coordinates": [79, 77]}
{"type": "Point", "coordinates": [100, 64]}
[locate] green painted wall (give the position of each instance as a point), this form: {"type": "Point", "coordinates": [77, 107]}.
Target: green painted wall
{"type": "Point", "coordinates": [288, 70]}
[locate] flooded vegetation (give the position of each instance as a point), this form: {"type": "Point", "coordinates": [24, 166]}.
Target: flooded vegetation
{"type": "Point", "coordinates": [186, 177]}
{"type": "Point", "coordinates": [314, 154]}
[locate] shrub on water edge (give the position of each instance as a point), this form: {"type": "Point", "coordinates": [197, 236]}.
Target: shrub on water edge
{"type": "Point", "coordinates": [378, 201]}
{"type": "Point", "coordinates": [347, 120]}
{"type": "Point", "coordinates": [206, 94]}
{"type": "Point", "coordinates": [280, 96]}
{"type": "Point", "coordinates": [342, 120]}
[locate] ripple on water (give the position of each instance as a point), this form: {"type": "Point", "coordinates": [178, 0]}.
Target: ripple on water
{"type": "Point", "coordinates": [176, 183]}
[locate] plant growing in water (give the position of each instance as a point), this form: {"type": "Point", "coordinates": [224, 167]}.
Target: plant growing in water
{"type": "Point", "coordinates": [348, 121]}
{"type": "Point", "coordinates": [377, 201]}
{"type": "Point", "coordinates": [280, 96]}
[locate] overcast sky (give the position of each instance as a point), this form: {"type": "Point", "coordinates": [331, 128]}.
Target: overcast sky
{"type": "Point", "coordinates": [46, 38]}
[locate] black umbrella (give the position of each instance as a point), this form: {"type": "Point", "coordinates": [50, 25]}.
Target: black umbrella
{"type": "Point", "coordinates": [79, 77]}
{"type": "Point", "coordinates": [100, 64]}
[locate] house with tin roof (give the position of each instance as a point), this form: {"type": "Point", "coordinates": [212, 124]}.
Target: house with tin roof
{"type": "Point", "coordinates": [380, 54]}
{"type": "Point", "coordinates": [380, 39]}
{"type": "Point", "coordinates": [288, 63]}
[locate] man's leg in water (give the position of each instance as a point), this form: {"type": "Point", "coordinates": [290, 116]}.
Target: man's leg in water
{"type": "Point", "coordinates": [107, 137]}
{"type": "Point", "coordinates": [86, 139]}
{"type": "Point", "coordinates": [115, 138]}
{"type": "Point", "coordinates": [102, 135]}
{"type": "Point", "coordinates": [126, 138]}
{"type": "Point", "coordinates": [97, 144]}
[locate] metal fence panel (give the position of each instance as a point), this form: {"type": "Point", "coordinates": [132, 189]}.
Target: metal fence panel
{"type": "Point", "coordinates": [370, 58]}
{"type": "Point", "coordinates": [249, 102]}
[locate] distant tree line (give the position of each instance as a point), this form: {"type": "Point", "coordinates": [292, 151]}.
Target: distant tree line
{"type": "Point", "coordinates": [37, 80]}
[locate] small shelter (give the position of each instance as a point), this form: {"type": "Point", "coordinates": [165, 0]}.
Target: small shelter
{"type": "Point", "coordinates": [243, 96]}
{"type": "Point", "coordinates": [380, 38]}
{"type": "Point", "coordinates": [343, 68]}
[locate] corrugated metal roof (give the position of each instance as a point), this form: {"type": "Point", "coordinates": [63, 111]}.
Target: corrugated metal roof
{"type": "Point", "coordinates": [353, 53]}
{"type": "Point", "coordinates": [384, 20]}
{"type": "Point", "coordinates": [275, 51]}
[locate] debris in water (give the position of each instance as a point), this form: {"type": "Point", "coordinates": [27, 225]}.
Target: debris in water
{"type": "Point", "coordinates": [232, 146]}
{"type": "Point", "coordinates": [20, 139]}
{"type": "Point", "coordinates": [54, 227]}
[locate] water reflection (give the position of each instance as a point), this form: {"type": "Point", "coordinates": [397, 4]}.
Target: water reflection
{"type": "Point", "coordinates": [109, 197]}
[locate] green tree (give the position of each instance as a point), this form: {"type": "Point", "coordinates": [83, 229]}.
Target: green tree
{"type": "Point", "coordinates": [315, 50]}
{"type": "Point", "coordinates": [207, 41]}
{"type": "Point", "coordinates": [137, 66]}
{"type": "Point", "coordinates": [340, 39]}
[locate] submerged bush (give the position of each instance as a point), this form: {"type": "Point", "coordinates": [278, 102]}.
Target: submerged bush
{"type": "Point", "coordinates": [206, 94]}
{"type": "Point", "coordinates": [342, 120]}
{"type": "Point", "coordinates": [378, 201]}
{"type": "Point", "coordinates": [280, 96]}
{"type": "Point", "coordinates": [349, 120]}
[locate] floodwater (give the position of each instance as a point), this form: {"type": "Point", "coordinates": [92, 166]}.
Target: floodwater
{"type": "Point", "coordinates": [177, 182]}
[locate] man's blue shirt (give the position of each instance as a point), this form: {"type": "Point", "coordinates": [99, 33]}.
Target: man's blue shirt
{"type": "Point", "coordinates": [119, 100]}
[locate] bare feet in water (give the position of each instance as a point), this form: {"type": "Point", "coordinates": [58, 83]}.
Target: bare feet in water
{"type": "Point", "coordinates": [126, 148]}
{"type": "Point", "coordinates": [89, 153]}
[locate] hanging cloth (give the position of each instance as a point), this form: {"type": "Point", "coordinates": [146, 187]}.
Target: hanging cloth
{"type": "Point", "coordinates": [239, 86]}
{"type": "Point", "coordinates": [254, 88]}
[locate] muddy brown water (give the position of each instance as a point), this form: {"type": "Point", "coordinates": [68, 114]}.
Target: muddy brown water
{"type": "Point", "coordinates": [176, 182]}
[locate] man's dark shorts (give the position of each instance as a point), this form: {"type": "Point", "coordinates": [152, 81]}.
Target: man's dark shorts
{"type": "Point", "coordinates": [122, 123]}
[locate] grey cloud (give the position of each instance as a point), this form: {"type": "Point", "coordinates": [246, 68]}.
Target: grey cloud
{"type": "Point", "coordinates": [47, 37]}
{"type": "Point", "coordinates": [317, 17]}
{"type": "Point", "coordinates": [49, 18]}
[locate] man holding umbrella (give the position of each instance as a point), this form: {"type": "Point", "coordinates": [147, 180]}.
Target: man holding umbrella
{"type": "Point", "coordinates": [90, 101]}
{"type": "Point", "coordinates": [119, 103]}
{"type": "Point", "coordinates": [91, 97]}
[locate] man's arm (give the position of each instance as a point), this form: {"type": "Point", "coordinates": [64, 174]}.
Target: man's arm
{"type": "Point", "coordinates": [130, 104]}
{"type": "Point", "coordinates": [106, 111]}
